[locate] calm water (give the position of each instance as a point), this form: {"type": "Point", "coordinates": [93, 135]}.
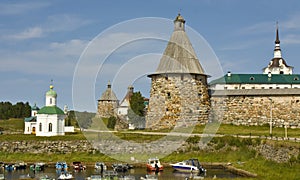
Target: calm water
{"type": "Point", "coordinates": [167, 174]}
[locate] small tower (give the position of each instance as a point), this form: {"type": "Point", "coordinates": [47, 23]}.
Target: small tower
{"type": "Point", "coordinates": [179, 91]}
{"type": "Point", "coordinates": [34, 110]}
{"type": "Point", "coordinates": [277, 65]}
{"type": "Point", "coordinates": [108, 103]}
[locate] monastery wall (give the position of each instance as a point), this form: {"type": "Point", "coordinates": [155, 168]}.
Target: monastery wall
{"type": "Point", "coordinates": [107, 109]}
{"type": "Point", "coordinates": [256, 110]}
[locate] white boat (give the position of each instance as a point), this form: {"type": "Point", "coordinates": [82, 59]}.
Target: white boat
{"type": "Point", "coordinates": [99, 165]}
{"type": "Point", "coordinates": [191, 165]}
{"type": "Point", "coordinates": [65, 176]}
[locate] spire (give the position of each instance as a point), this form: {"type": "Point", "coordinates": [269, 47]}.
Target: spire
{"type": "Point", "coordinates": [277, 41]}
{"type": "Point", "coordinates": [277, 50]}
{"type": "Point", "coordinates": [108, 84]}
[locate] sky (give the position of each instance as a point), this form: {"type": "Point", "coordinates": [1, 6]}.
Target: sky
{"type": "Point", "coordinates": [81, 45]}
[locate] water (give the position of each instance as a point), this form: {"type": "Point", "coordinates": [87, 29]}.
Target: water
{"type": "Point", "coordinates": [167, 174]}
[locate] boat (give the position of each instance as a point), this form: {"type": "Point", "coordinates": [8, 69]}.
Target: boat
{"type": "Point", "coordinates": [154, 164]}
{"type": "Point", "coordinates": [65, 175]}
{"type": "Point", "coordinates": [61, 166]}
{"type": "Point", "coordinates": [118, 167]}
{"type": "Point", "coordinates": [100, 165]}
{"type": "Point", "coordinates": [9, 167]}
{"type": "Point", "coordinates": [149, 177]}
{"type": "Point", "coordinates": [20, 165]}
{"type": "Point", "coordinates": [191, 165]}
{"type": "Point", "coordinates": [40, 166]}
{"type": "Point", "coordinates": [78, 166]}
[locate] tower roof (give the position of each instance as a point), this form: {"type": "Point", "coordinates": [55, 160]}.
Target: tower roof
{"type": "Point", "coordinates": [108, 95]}
{"type": "Point", "coordinates": [51, 92]}
{"type": "Point", "coordinates": [179, 55]}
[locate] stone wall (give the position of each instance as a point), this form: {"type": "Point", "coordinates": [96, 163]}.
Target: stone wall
{"type": "Point", "coordinates": [256, 110]}
{"type": "Point", "coordinates": [107, 109]}
{"type": "Point", "coordinates": [177, 100]}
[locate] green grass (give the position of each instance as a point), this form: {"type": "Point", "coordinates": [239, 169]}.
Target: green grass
{"type": "Point", "coordinates": [12, 124]}
{"type": "Point", "coordinates": [23, 137]}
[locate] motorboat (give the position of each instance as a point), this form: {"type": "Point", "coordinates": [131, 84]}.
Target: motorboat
{"type": "Point", "coordinates": [149, 177]}
{"type": "Point", "coordinates": [37, 166]}
{"type": "Point", "coordinates": [20, 165]}
{"type": "Point", "coordinates": [78, 166]}
{"type": "Point", "coordinates": [100, 165]}
{"type": "Point", "coordinates": [154, 164]}
{"type": "Point", "coordinates": [191, 165]}
{"type": "Point", "coordinates": [61, 166]}
{"type": "Point", "coordinates": [118, 167]}
{"type": "Point", "coordinates": [65, 175]}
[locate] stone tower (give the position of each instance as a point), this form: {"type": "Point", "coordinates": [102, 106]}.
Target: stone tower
{"type": "Point", "coordinates": [179, 91]}
{"type": "Point", "coordinates": [108, 103]}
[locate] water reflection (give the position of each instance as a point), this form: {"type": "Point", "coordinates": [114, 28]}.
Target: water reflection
{"type": "Point", "coordinates": [168, 173]}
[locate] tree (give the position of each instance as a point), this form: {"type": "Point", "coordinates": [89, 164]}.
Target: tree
{"type": "Point", "coordinates": [136, 112]}
{"type": "Point", "coordinates": [111, 122]}
{"type": "Point", "coordinates": [137, 104]}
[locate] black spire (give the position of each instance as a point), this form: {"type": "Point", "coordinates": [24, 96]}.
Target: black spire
{"type": "Point", "coordinates": [277, 41]}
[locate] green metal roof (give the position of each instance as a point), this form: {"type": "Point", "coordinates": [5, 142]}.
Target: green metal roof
{"type": "Point", "coordinates": [30, 119]}
{"type": "Point", "coordinates": [50, 110]}
{"type": "Point", "coordinates": [258, 79]}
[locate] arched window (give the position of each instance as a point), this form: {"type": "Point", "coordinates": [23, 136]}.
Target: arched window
{"type": "Point", "coordinates": [40, 126]}
{"type": "Point", "coordinates": [50, 127]}
{"type": "Point", "coordinates": [50, 100]}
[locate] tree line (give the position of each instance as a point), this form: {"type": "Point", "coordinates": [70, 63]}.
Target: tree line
{"type": "Point", "coordinates": [18, 110]}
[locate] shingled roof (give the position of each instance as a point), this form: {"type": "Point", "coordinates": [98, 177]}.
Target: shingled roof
{"type": "Point", "coordinates": [179, 55]}
{"type": "Point", "coordinates": [108, 95]}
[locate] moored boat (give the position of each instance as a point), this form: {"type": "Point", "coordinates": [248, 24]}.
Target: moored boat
{"type": "Point", "coordinates": [61, 166]}
{"type": "Point", "coordinates": [191, 165]}
{"type": "Point", "coordinates": [20, 165]}
{"type": "Point", "coordinates": [65, 175]}
{"type": "Point", "coordinates": [154, 164]}
{"type": "Point", "coordinates": [37, 166]}
{"type": "Point", "coordinates": [78, 166]}
{"type": "Point", "coordinates": [100, 166]}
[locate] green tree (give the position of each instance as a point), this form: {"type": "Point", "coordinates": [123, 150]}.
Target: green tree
{"type": "Point", "coordinates": [137, 104]}
{"type": "Point", "coordinates": [136, 112]}
{"type": "Point", "coordinates": [111, 122]}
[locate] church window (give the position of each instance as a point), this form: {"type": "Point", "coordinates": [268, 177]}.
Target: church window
{"type": "Point", "coordinates": [28, 129]}
{"type": "Point", "coordinates": [252, 78]}
{"type": "Point", "coordinates": [277, 87]}
{"type": "Point", "coordinates": [296, 78]}
{"type": "Point", "coordinates": [235, 87]}
{"type": "Point", "coordinates": [253, 87]}
{"type": "Point", "coordinates": [40, 126]}
{"type": "Point", "coordinates": [169, 95]}
{"type": "Point", "coordinates": [50, 100]}
{"type": "Point", "coordinates": [270, 87]}
{"type": "Point", "coordinates": [50, 127]}
{"type": "Point", "coordinates": [243, 87]}
{"type": "Point", "coordinates": [262, 87]}
{"type": "Point", "coordinates": [281, 72]}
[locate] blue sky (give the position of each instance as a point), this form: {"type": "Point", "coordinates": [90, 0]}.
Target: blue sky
{"type": "Point", "coordinates": [44, 40]}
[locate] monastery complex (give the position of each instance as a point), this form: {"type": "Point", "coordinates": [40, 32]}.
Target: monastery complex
{"type": "Point", "coordinates": [180, 94]}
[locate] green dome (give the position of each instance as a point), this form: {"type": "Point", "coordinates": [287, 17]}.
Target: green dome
{"type": "Point", "coordinates": [51, 92]}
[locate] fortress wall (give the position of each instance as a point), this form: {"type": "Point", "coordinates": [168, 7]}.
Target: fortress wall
{"type": "Point", "coordinates": [256, 110]}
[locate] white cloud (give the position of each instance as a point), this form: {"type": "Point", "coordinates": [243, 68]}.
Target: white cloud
{"type": "Point", "coordinates": [53, 24]}
{"type": "Point", "coordinates": [29, 33]}
{"type": "Point", "coordinates": [21, 7]}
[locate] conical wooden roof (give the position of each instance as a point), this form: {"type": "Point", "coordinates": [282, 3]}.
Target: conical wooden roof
{"type": "Point", "coordinates": [108, 95]}
{"type": "Point", "coordinates": [179, 55]}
